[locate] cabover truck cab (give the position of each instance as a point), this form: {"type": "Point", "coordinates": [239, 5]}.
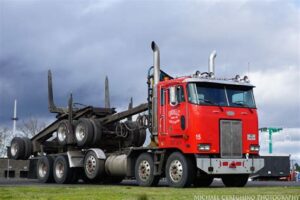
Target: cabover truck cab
{"type": "Point", "coordinates": [201, 128]}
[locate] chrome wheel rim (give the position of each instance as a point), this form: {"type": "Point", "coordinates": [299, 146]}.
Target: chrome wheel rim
{"type": "Point", "coordinates": [62, 133]}
{"type": "Point", "coordinates": [80, 132]}
{"type": "Point", "coordinates": [14, 149]}
{"type": "Point", "coordinates": [91, 164]}
{"type": "Point", "coordinates": [176, 171]}
{"type": "Point", "coordinates": [59, 170]}
{"type": "Point", "coordinates": [42, 169]}
{"type": "Point", "coordinates": [144, 170]}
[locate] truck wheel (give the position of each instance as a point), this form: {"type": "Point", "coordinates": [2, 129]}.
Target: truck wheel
{"type": "Point", "coordinates": [144, 171]}
{"type": "Point", "coordinates": [28, 147]}
{"type": "Point", "coordinates": [180, 170]}
{"type": "Point", "coordinates": [17, 148]}
{"type": "Point", "coordinates": [203, 181]}
{"type": "Point", "coordinates": [93, 167]}
{"type": "Point", "coordinates": [64, 131]}
{"type": "Point", "coordinates": [44, 169]}
{"type": "Point", "coordinates": [84, 132]}
{"type": "Point", "coordinates": [238, 180]}
{"type": "Point", "coordinates": [61, 171]}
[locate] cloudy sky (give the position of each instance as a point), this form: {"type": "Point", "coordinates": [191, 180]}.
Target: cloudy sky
{"type": "Point", "coordinates": [83, 41]}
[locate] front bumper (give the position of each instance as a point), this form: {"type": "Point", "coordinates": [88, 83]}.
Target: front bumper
{"type": "Point", "coordinates": [230, 166]}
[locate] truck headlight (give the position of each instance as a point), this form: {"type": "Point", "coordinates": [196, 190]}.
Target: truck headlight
{"type": "Point", "coordinates": [254, 147]}
{"type": "Point", "coordinates": [204, 147]}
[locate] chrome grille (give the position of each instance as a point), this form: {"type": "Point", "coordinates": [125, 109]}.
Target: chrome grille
{"type": "Point", "coordinates": [231, 138]}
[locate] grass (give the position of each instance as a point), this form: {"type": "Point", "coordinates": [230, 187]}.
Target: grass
{"type": "Point", "coordinates": [143, 193]}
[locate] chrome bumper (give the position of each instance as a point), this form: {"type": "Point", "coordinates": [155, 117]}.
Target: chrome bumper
{"type": "Point", "coordinates": [230, 166]}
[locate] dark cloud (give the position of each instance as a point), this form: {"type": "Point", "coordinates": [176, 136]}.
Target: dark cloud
{"type": "Point", "coordinates": [83, 41]}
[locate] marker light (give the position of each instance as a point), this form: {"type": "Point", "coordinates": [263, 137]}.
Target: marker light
{"type": "Point", "coordinates": [254, 147]}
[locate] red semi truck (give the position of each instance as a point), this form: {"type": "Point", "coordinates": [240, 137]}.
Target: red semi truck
{"type": "Point", "coordinates": [202, 127]}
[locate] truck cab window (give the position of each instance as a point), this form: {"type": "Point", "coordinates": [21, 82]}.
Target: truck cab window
{"type": "Point", "coordinates": [162, 97]}
{"type": "Point", "coordinates": [180, 94]}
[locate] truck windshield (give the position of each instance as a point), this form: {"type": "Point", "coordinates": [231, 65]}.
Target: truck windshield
{"type": "Point", "coordinates": [220, 95]}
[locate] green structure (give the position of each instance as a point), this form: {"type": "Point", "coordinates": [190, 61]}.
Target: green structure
{"type": "Point", "coordinates": [270, 131]}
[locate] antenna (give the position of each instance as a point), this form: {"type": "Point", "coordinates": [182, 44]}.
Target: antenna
{"type": "Point", "coordinates": [15, 118]}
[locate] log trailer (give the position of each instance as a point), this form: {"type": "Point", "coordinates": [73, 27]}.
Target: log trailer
{"type": "Point", "coordinates": [201, 128]}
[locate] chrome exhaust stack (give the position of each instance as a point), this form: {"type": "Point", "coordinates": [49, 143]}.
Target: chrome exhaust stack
{"type": "Point", "coordinates": [211, 63]}
{"type": "Point", "coordinates": [156, 62]}
{"type": "Point", "coordinates": [156, 77]}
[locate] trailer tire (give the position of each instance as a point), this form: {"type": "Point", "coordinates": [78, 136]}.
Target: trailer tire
{"type": "Point", "coordinates": [97, 132]}
{"type": "Point", "coordinates": [62, 172]}
{"type": "Point", "coordinates": [28, 148]}
{"type": "Point", "coordinates": [94, 168]}
{"type": "Point", "coordinates": [17, 148]}
{"type": "Point", "coordinates": [203, 181]}
{"type": "Point", "coordinates": [84, 132]}
{"type": "Point", "coordinates": [64, 132]}
{"type": "Point", "coordinates": [180, 170]}
{"type": "Point", "coordinates": [144, 170]}
{"type": "Point", "coordinates": [142, 137]}
{"type": "Point", "coordinates": [236, 180]}
{"type": "Point", "coordinates": [44, 169]}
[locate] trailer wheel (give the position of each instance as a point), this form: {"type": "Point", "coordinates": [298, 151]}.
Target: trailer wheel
{"type": "Point", "coordinates": [61, 171]}
{"type": "Point", "coordinates": [203, 181]}
{"type": "Point", "coordinates": [180, 170]}
{"type": "Point", "coordinates": [17, 148]}
{"type": "Point", "coordinates": [144, 171]}
{"type": "Point", "coordinates": [64, 131]}
{"type": "Point", "coordinates": [93, 167]}
{"type": "Point", "coordinates": [237, 180]}
{"type": "Point", "coordinates": [28, 147]}
{"type": "Point", "coordinates": [97, 132]}
{"type": "Point", "coordinates": [84, 132]}
{"type": "Point", "coordinates": [44, 169]}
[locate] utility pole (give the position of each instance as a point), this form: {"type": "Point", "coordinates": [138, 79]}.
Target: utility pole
{"type": "Point", "coordinates": [14, 118]}
{"type": "Point", "coordinates": [271, 131]}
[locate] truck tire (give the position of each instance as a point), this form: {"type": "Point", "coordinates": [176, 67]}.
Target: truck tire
{"type": "Point", "coordinates": [84, 132]}
{"type": "Point", "coordinates": [144, 170]}
{"type": "Point", "coordinates": [142, 137]}
{"type": "Point", "coordinates": [17, 148]}
{"type": "Point", "coordinates": [180, 170]}
{"type": "Point", "coordinates": [62, 173]}
{"type": "Point", "coordinates": [44, 169]}
{"type": "Point", "coordinates": [28, 148]}
{"type": "Point", "coordinates": [64, 132]}
{"type": "Point", "coordinates": [235, 180]}
{"type": "Point", "coordinates": [203, 181]}
{"type": "Point", "coordinates": [94, 168]}
{"type": "Point", "coordinates": [97, 132]}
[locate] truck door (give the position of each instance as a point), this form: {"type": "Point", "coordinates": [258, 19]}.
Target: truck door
{"type": "Point", "coordinates": [175, 120]}
{"type": "Point", "coordinates": [162, 109]}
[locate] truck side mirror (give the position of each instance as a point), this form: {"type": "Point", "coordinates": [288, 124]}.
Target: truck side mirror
{"type": "Point", "coordinates": [173, 96]}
